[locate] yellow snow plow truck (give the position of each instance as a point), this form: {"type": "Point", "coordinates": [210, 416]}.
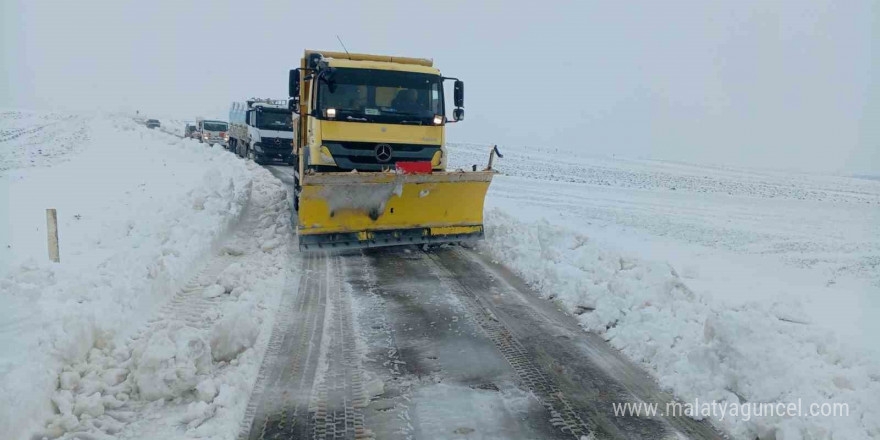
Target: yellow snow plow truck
{"type": "Point", "coordinates": [369, 143]}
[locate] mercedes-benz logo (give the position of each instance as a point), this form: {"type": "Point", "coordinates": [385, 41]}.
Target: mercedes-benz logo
{"type": "Point", "coordinates": [383, 152]}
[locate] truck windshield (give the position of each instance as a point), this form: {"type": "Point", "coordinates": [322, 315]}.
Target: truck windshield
{"type": "Point", "coordinates": [381, 95]}
{"type": "Point", "coordinates": [214, 126]}
{"type": "Point", "coordinates": [272, 120]}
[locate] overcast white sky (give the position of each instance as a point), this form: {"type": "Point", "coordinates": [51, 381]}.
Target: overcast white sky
{"type": "Point", "coordinates": [793, 85]}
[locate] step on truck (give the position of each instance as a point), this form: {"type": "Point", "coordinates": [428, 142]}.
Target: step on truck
{"type": "Point", "coordinates": [371, 161]}
{"type": "Point", "coordinates": [261, 129]}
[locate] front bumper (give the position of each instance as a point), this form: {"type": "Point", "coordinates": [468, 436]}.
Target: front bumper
{"type": "Point", "coordinates": [396, 237]}
{"type": "Point", "coordinates": [273, 152]}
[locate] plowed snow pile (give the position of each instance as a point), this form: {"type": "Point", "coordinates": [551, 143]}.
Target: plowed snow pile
{"type": "Point", "coordinates": [141, 214]}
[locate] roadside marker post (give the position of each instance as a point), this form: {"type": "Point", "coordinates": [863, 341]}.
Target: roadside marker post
{"type": "Point", "coordinates": [52, 230]}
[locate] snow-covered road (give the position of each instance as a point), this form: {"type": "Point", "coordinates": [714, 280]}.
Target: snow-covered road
{"type": "Point", "coordinates": [403, 343]}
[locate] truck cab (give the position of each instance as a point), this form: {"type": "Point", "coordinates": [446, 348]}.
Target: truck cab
{"type": "Point", "coordinates": [213, 132]}
{"type": "Point", "coordinates": [262, 130]}
{"type": "Point", "coordinates": [369, 112]}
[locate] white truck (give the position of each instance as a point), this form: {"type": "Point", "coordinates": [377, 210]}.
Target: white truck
{"type": "Point", "coordinates": [212, 132]}
{"type": "Point", "coordinates": [261, 129]}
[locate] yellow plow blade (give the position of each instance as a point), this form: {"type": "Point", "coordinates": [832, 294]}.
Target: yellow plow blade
{"type": "Point", "coordinates": [357, 210]}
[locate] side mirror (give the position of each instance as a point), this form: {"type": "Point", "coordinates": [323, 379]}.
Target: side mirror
{"type": "Point", "coordinates": [293, 83]}
{"type": "Point", "coordinates": [458, 114]}
{"type": "Point", "coordinates": [459, 93]}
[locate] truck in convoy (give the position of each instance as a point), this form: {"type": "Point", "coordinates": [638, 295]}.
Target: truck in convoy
{"type": "Point", "coordinates": [190, 131]}
{"type": "Point", "coordinates": [261, 129]}
{"type": "Point", "coordinates": [371, 161]}
{"type": "Point", "coordinates": [212, 132]}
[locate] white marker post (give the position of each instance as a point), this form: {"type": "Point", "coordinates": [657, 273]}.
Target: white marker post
{"type": "Point", "coordinates": [52, 229]}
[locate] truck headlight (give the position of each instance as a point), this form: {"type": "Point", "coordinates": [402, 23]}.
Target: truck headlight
{"type": "Point", "coordinates": [438, 120]}
{"type": "Point", "coordinates": [330, 113]}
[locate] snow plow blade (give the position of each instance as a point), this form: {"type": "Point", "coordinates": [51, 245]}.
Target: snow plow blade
{"type": "Point", "coordinates": [361, 210]}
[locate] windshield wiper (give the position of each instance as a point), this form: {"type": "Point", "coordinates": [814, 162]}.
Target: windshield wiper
{"type": "Point", "coordinates": [411, 122]}
{"type": "Point", "coordinates": [352, 118]}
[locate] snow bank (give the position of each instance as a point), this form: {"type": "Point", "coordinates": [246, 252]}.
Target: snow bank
{"type": "Point", "coordinates": [170, 362]}
{"type": "Point", "coordinates": [695, 346]}
{"type": "Point", "coordinates": [138, 210]}
{"type": "Point", "coordinates": [189, 371]}
{"type": "Point", "coordinates": [235, 333]}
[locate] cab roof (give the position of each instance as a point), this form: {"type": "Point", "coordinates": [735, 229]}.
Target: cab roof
{"type": "Point", "coordinates": [379, 62]}
{"type": "Point", "coordinates": [269, 105]}
{"type": "Point", "coordinates": [381, 65]}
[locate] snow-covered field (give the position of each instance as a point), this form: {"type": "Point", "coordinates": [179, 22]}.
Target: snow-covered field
{"type": "Point", "coordinates": [172, 258]}
{"type": "Point", "coordinates": [728, 284]}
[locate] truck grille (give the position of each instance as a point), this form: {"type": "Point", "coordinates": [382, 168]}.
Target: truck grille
{"type": "Point", "coordinates": [369, 156]}
{"type": "Point", "coordinates": [269, 142]}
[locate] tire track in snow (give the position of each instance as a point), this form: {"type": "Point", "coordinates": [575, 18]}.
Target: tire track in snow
{"type": "Point", "coordinates": [382, 350]}
{"type": "Point", "coordinates": [310, 383]}
{"type": "Point", "coordinates": [562, 413]}
{"type": "Point", "coordinates": [338, 401]}
{"type": "Point", "coordinates": [576, 370]}
{"type": "Point", "coordinates": [279, 404]}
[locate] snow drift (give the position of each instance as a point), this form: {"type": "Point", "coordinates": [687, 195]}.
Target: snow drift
{"type": "Point", "coordinates": [695, 346]}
